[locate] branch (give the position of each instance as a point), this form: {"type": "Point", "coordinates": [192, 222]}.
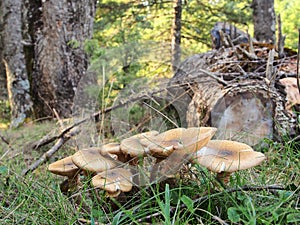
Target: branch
{"type": "Point", "coordinates": [214, 77]}
{"type": "Point", "coordinates": [146, 95]}
{"type": "Point", "coordinates": [47, 155]}
{"type": "Point", "coordinates": [280, 39]}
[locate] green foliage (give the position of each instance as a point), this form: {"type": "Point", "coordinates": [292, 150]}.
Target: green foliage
{"type": "Point", "coordinates": [289, 12]}
{"type": "Point", "coordinates": [4, 113]}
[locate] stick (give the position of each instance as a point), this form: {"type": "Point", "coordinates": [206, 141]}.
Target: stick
{"type": "Point", "coordinates": [4, 140]}
{"type": "Point", "coordinates": [46, 140]}
{"type": "Point", "coordinates": [269, 70]}
{"type": "Point", "coordinates": [47, 155]}
{"type": "Point", "coordinates": [248, 54]}
{"type": "Point", "coordinates": [214, 76]}
{"type": "Point", "coordinates": [280, 39]}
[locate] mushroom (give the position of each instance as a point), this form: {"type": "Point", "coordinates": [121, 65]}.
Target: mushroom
{"type": "Point", "coordinates": [162, 145]}
{"type": "Point", "coordinates": [186, 143]}
{"type": "Point", "coordinates": [189, 140]}
{"type": "Point", "coordinates": [66, 167]}
{"type": "Point", "coordinates": [225, 157]}
{"type": "Point", "coordinates": [114, 181]}
{"type": "Point", "coordinates": [91, 160]}
{"type": "Point", "coordinates": [132, 147]}
{"type": "Point", "coordinates": [113, 150]}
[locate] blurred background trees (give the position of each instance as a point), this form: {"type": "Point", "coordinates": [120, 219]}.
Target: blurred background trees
{"type": "Point", "coordinates": [58, 42]}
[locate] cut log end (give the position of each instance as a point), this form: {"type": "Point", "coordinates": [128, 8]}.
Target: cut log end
{"type": "Point", "coordinates": [244, 117]}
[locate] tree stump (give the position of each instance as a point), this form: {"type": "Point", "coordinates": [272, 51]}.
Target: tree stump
{"type": "Point", "coordinates": [239, 90]}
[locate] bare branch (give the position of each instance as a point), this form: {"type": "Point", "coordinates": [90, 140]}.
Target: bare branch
{"type": "Point", "coordinates": [47, 155]}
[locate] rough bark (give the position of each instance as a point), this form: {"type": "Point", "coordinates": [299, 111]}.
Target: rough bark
{"type": "Point", "coordinates": [3, 89]}
{"type": "Point", "coordinates": [264, 20]}
{"type": "Point", "coordinates": [59, 30]}
{"type": "Point", "coordinates": [14, 61]}
{"type": "Point", "coordinates": [243, 98]}
{"type": "Point", "coordinates": [176, 35]}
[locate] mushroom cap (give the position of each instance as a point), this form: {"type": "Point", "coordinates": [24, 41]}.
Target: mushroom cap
{"type": "Point", "coordinates": [147, 134]}
{"type": "Point", "coordinates": [188, 140]}
{"type": "Point", "coordinates": [110, 148]}
{"type": "Point", "coordinates": [228, 156]}
{"type": "Point", "coordinates": [114, 180]}
{"type": "Point", "coordinates": [195, 138]}
{"type": "Point", "coordinates": [64, 167]}
{"type": "Point", "coordinates": [133, 147]}
{"type": "Point", "coordinates": [90, 159]}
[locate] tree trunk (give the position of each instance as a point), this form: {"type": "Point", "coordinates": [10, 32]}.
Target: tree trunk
{"type": "Point", "coordinates": [244, 98]}
{"type": "Point", "coordinates": [14, 60]}
{"type": "Point", "coordinates": [59, 30]}
{"type": "Point", "coordinates": [264, 20]}
{"type": "Point", "coordinates": [176, 35]}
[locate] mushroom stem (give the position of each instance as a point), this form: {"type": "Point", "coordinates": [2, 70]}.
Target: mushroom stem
{"type": "Point", "coordinates": [74, 181]}
{"type": "Point", "coordinates": [223, 177]}
{"type": "Point", "coordinates": [154, 171]}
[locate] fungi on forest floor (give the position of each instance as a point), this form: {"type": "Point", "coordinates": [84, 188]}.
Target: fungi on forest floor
{"type": "Point", "coordinates": [113, 166]}
{"type": "Point", "coordinates": [225, 157]}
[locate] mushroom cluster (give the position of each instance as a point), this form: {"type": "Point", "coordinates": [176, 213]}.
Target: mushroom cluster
{"type": "Point", "coordinates": [114, 167]}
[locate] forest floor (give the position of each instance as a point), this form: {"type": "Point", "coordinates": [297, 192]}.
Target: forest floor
{"type": "Point", "coordinates": [266, 194]}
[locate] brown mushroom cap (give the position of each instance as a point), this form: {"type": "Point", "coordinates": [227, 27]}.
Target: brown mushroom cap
{"type": "Point", "coordinates": [114, 180]}
{"type": "Point", "coordinates": [64, 167]}
{"type": "Point", "coordinates": [91, 160]}
{"type": "Point", "coordinates": [190, 140]}
{"type": "Point", "coordinates": [194, 138]}
{"type": "Point", "coordinates": [147, 134]}
{"type": "Point", "coordinates": [133, 147]}
{"type": "Point", "coordinates": [228, 156]}
{"type": "Point", "coordinates": [111, 148]}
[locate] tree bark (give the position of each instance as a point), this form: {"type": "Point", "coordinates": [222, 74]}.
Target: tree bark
{"type": "Point", "coordinates": [14, 61]}
{"type": "Point", "coordinates": [59, 30]}
{"type": "Point", "coordinates": [176, 35]}
{"type": "Point", "coordinates": [3, 88]}
{"type": "Point", "coordinates": [264, 20]}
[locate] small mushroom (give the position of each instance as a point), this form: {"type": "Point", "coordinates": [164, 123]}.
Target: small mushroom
{"type": "Point", "coordinates": [225, 157]}
{"type": "Point", "coordinates": [66, 167]}
{"type": "Point", "coordinates": [114, 181]}
{"type": "Point", "coordinates": [91, 160]}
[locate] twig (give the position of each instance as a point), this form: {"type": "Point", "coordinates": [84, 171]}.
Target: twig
{"type": "Point", "coordinates": [214, 76]}
{"type": "Point", "coordinates": [161, 114]}
{"type": "Point", "coordinates": [280, 39]}
{"type": "Point", "coordinates": [249, 55]}
{"type": "Point", "coordinates": [58, 119]}
{"type": "Point", "coordinates": [8, 144]}
{"type": "Point", "coordinates": [47, 155]}
{"type": "Point", "coordinates": [269, 69]}
{"type": "Point", "coordinates": [46, 140]}
{"type": "Point", "coordinates": [251, 48]}
{"type": "Point", "coordinates": [4, 140]}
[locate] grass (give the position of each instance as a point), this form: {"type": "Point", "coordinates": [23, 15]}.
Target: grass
{"type": "Point", "coordinates": [198, 199]}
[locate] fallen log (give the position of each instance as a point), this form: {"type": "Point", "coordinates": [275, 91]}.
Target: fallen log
{"type": "Point", "coordinates": [240, 92]}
